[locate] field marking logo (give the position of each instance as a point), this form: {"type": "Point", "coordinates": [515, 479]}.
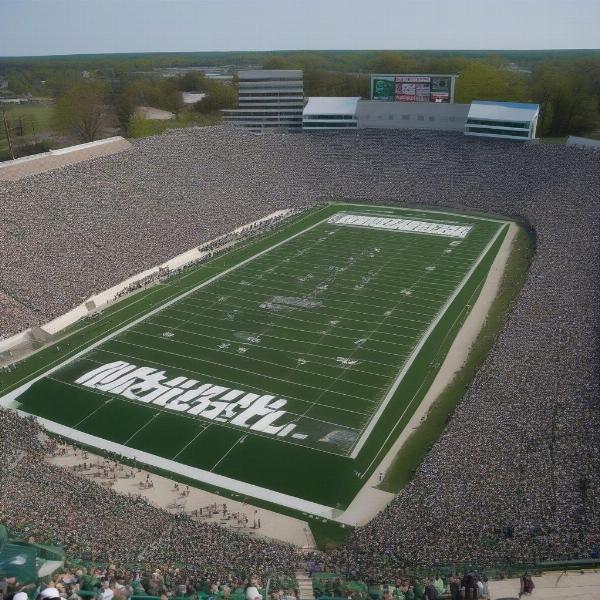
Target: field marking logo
{"type": "Point", "coordinates": [180, 394]}
{"type": "Point", "coordinates": [397, 224]}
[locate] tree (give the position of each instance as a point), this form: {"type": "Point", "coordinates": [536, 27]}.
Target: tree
{"type": "Point", "coordinates": [566, 94]}
{"type": "Point", "coordinates": [394, 62]}
{"type": "Point", "coordinates": [482, 80]}
{"type": "Point", "coordinates": [82, 111]}
{"type": "Point", "coordinates": [192, 82]}
{"type": "Point", "coordinates": [218, 96]}
{"type": "Point", "coordinates": [277, 62]}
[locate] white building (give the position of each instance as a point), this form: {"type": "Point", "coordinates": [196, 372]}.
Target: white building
{"type": "Point", "coordinates": [192, 97]}
{"type": "Point", "coordinates": [268, 98]}
{"type": "Point", "coordinates": [435, 116]}
{"type": "Point", "coordinates": [327, 113]}
{"type": "Point", "coordinates": [507, 120]}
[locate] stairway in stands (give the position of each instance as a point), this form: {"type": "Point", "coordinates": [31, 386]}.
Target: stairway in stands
{"type": "Point", "coordinates": [305, 586]}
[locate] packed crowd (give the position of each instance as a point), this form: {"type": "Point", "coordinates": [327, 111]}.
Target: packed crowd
{"type": "Point", "coordinates": [78, 582]}
{"type": "Point", "coordinates": [515, 475]}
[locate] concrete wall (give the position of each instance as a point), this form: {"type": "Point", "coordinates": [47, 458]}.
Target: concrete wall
{"type": "Point", "coordinates": [411, 115]}
{"type": "Point", "coordinates": [582, 142]}
{"type": "Point", "coordinates": [12, 170]}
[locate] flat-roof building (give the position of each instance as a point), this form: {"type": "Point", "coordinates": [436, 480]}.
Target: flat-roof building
{"type": "Point", "coordinates": [442, 116]}
{"type": "Point", "coordinates": [508, 120]}
{"type": "Point", "coordinates": [330, 113]}
{"type": "Point", "coordinates": [268, 98]}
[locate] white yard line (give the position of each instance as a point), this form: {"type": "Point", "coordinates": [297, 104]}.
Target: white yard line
{"type": "Point", "coordinates": [242, 437]}
{"type": "Point", "coordinates": [107, 401]}
{"type": "Point", "coordinates": [192, 440]}
{"type": "Point", "coordinates": [141, 428]}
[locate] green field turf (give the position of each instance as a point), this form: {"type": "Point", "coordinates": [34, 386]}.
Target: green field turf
{"type": "Point", "coordinates": [290, 364]}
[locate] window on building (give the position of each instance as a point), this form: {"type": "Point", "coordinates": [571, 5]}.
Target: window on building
{"type": "Point", "coordinates": [489, 123]}
{"type": "Point", "coordinates": [406, 117]}
{"type": "Point", "coordinates": [420, 118]}
{"type": "Point", "coordinates": [504, 132]}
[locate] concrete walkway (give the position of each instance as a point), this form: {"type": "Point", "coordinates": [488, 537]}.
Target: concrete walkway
{"type": "Point", "coordinates": [250, 519]}
{"type": "Point", "coordinates": [572, 585]}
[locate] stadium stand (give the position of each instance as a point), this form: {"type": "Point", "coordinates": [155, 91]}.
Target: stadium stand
{"type": "Point", "coordinates": [514, 477]}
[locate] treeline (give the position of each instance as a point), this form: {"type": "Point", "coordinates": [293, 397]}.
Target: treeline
{"type": "Point", "coordinates": [86, 108]}
{"type": "Point", "coordinates": [565, 83]}
{"type": "Point", "coordinates": [114, 65]}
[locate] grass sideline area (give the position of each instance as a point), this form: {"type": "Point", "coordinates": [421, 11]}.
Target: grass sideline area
{"type": "Point", "coordinates": [412, 453]}
{"type": "Point", "coordinates": [411, 259]}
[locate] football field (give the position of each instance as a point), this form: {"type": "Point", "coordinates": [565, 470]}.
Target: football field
{"type": "Point", "coordinates": [284, 369]}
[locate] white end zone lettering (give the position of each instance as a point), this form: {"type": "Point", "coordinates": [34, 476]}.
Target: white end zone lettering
{"type": "Point", "coordinates": [149, 385]}
{"type": "Point", "coordinates": [403, 225]}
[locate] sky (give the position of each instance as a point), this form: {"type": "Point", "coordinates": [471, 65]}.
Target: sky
{"type": "Point", "coordinates": [42, 27]}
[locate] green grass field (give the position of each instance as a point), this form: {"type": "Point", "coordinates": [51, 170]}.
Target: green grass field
{"type": "Point", "coordinates": [284, 369]}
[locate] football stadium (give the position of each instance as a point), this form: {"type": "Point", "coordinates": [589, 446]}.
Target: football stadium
{"type": "Point", "coordinates": [310, 347]}
{"type": "Point", "coordinates": [385, 339]}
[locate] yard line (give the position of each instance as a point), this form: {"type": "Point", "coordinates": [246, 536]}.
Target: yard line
{"type": "Point", "coordinates": [297, 329]}
{"type": "Point", "coordinates": [268, 348]}
{"type": "Point", "coordinates": [107, 402]}
{"type": "Point", "coordinates": [298, 341]}
{"type": "Point", "coordinates": [287, 316]}
{"type": "Point", "coordinates": [238, 441]}
{"type": "Point", "coordinates": [246, 357]}
{"type": "Point", "coordinates": [272, 290]}
{"type": "Point", "coordinates": [310, 311]}
{"type": "Point", "coordinates": [212, 362]}
{"type": "Point", "coordinates": [280, 316]}
{"type": "Point", "coordinates": [141, 428]}
{"type": "Point", "coordinates": [204, 428]}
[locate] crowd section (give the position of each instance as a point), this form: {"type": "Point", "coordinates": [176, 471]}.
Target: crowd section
{"type": "Point", "coordinates": [78, 582]}
{"type": "Point", "coordinates": [515, 475]}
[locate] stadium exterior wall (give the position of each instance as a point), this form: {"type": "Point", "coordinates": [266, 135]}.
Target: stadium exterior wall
{"type": "Point", "coordinates": [375, 114]}
{"type": "Point", "coordinates": [582, 142]}
{"type": "Point", "coordinates": [14, 170]}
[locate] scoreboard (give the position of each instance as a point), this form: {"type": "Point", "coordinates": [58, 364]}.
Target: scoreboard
{"type": "Point", "coordinates": [413, 88]}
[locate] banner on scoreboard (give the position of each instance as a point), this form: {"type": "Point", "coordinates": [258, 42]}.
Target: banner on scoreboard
{"type": "Point", "coordinates": [384, 88]}
{"type": "Point", "coordinates": [412, 88]}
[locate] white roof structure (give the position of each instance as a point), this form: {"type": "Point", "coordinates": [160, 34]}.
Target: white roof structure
{"type": "Point", "coordinates": [192, 97]}
{"type": "Point", "coordinates": [331, 105]}
{"type": "Point", "coordinates": [491, 110]}
{"type": "Point", "coordinates": [270, 74]}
